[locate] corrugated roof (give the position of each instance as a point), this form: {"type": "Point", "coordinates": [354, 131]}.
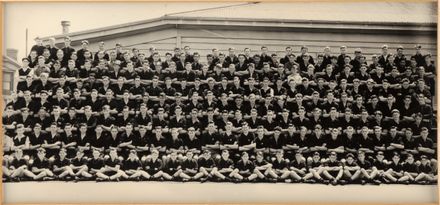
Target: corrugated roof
{"type": "Point", "coordinates": [418, 16]}
{"type": "Point", "coordinates": [392, 12]}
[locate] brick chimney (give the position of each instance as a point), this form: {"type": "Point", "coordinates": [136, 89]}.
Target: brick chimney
{"type": "Point", "coordinates": [12, 53]}
{"type": "Point", "coordinates": [66, 25]}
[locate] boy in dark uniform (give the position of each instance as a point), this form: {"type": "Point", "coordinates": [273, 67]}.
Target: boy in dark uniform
{"type": "Point", "coordinates": [67, 50]}
{"type": "Point", "coordinates": [191, 142]}
{"type": "Point", "coordinates": [263, 169]}
{"type": "Point", "coordinates": [394, 142]}
{"type": "Point", "coordinates": [366, 169]}
{"type": "Point", "coordinates": [229, 140]}
{"type": "Point", "coordinates": [426, 173]}
{"type": "Point", "coordinates": [380, 165]}
{"type": "Point", "coordinates": [246, 139]}
{"type": "Point", "coordinates": [410, 170]}
{"type": "Point", "coordinates": [52, 141]}
{"type": "Point", "coordinates": [143, 117]}
{"type": "Point", "coordinates": [318, 140]}
{"type": "Point", "coordinates": [96, 163]}
{"type": "Point", "coordinates": [153, 165]}
{"type": "Point", "coordinates": [298, 167]}
{"type": "Point", "coordinates": [140, 142]}
{"type": "Point", "coordinates": [277, 141]}
{"type": "Point", "coordinates": [366, 144]}
{"type": "Point", "coordinates": [334, 142]}
{"type": "Point", "coordinates": [175, 143]}
{"type": "Point", "coordinates": [127, 138]}
{"type": "Point", "coordinates": [290, 137]}
{"type": "Point", "coordinates": [261, 141]}
{"type": "Point", "coordinates": [225, 167]}
{"type": "Point", "coordinates": [379, 141]}
{"type": "Point", "coordinates": [83, 139]}
{"type": "Point", "coordinates": [206, 166]}
{"type": "Point", "coordinates": [425, 146]}
{"type": "Point", "coordinates": [25, 118]}
{"type": "Point", "coordinates": [351, 169]}
{"type": "Point", "coordinates": [61, 166]}
{"type": "Point", "coordinates": [333, 169]}
{"type": "Point", "coordinates": [211, 139]}
{"type": "Point", "coordinates": [351, 144]}
{"type": "Point", "coordinates": [38, 47]}
{"type": "Point", "coordinates": [244, 170]}
{"type": "Point", "coordinates": [98, 139]}
{"type": "Point", "coordinates": [172, 168]}
{"type": "Point", "coordinates": [18, 167]}
{"type": "Point", "coordinates": [69, 141]}
{"type": "Point", "coordinates": [280, 167]}
{"type": "Point", "coordinates": [93, 103]}
{"type": "Point", "coordinates": [113, 139]}
{"type": "Point", "coordinates": [158, 141]}
{"type": "Point", "coordinates": [303, 141]}
{"type": "Point", "coordinates": [40, 166]}
{"type": "Point", "coordinates": [315, 168]}
{"type": "Point", "coordinates": [189, 167]}
{"type": "Point", "coordinates": [133, 167]}
{"type": "Point", "coordinates": [79, 165]}
{"type": "Point", "coordinates": [112, 168]}
{"type": "Point", "coordinates": [409, 142]}
{"type": "Point", "coordinates": [395, 170]}
{"type": "Point", "coordinates": [20, 140]}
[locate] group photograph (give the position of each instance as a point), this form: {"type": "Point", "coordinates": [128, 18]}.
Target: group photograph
{"type": "Point", "coordinates": [221, 94]}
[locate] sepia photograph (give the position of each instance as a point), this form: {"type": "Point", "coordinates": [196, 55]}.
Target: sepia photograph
{"type": "Point", "coordinates": [208, 102]}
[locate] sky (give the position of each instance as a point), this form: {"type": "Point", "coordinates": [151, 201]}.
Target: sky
{"type": "Point", "coordinates": [44, 19]}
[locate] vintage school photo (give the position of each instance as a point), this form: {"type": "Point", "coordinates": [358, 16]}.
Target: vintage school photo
{"type": "Point", "coordinates": [221, 94]}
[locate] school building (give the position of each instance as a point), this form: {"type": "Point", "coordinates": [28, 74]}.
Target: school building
{"type": "Point", "coordinates": [367, 25]}
{"type": "Point", "coordinates": [10, 66]}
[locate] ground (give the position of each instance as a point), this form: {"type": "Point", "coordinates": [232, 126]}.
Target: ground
{"type": "Point", "coordinates": [192, 192]}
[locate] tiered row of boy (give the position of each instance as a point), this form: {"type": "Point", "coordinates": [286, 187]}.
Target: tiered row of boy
{"type": "Point", "coordinates": [122, 114]}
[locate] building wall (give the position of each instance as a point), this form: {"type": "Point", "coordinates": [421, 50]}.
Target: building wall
{"type": "Point", "coordinates": [8, 81]}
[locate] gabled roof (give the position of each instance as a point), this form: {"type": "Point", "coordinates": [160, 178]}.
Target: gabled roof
{"type": "Point", "coordinates": [355, 16]}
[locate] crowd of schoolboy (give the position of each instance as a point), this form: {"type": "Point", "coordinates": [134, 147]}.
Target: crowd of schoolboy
{"type": "Point", "coordinates": [122, 114]}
